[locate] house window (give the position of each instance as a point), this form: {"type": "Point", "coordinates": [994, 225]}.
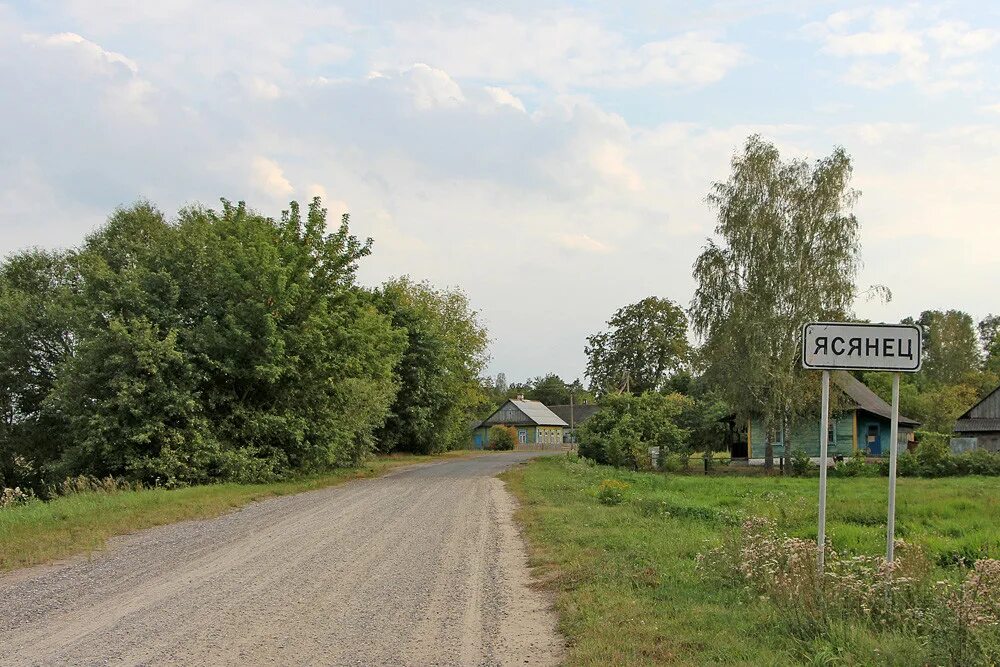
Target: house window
{"type": "Point", "coordinates": [522, 436]}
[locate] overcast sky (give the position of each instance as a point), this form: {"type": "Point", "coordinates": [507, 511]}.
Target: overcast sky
{"type": "Point", "coordinates": [552, 159]}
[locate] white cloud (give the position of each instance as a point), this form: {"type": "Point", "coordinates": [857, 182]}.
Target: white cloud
{"type": "Point", "coordinates": [609, 160]}
{"type": "Point", "coordinates": [440, 163]}
{"type": "Point", "coordinates": [125, 93]}
{"type": "Point", "coordinates": [431, 88]}
{"type": "Point", "coordinates": [582, 242]}
{"type": "Point", "coordinates": [328, 54]}
{"type": "Point", "coordinates": [97, 55]}
{"type": "Point", "coordinates": [263, 89]}
{"type": "Point", "coordinates": [563, 49]}
{"type": "Point", "coordinates": [956, 39]}
{"type": "Point", "coordinates": [890, 46]}
{"type": "Point", "coordinates": [504, 97]}
{"type": "Point", "coordinates": [269, 178]}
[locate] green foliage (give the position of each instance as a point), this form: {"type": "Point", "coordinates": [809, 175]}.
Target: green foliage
{"type": "Point", "coordinates": [612, 492]}
{"type": "Point", "coordinates": [857, 466]}
{"type": "Point", "coordinates": [625, 428]}
{"type": "Point", "coordinates": [444, 354]}
{"type": "Point", "coordinates": [502, 437]}
{"type": "Point", "coordinates": [950, 346]}
{"type": "Point", "coordinates": [40, 311]}
{"type": "Point", "coordinates": [788, 254]}
{"type": "Point", "coordinates": [637, 562]}
{"type": "Point", "coordinates": [954, 375]}
{"type": "Point", "coordinates": [989, 337]}
{"type": "Point", "coordinates": [222, 345]}
{"type": "Point", "coordinates": [645, 344]}
{"type": "Point", "coordinates": [800, 462]}
{"type": "Point", "coordinates": [932, 458]}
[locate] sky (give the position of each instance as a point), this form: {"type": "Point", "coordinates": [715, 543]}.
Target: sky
{"type": "Point", "coordinates": [549, 158]}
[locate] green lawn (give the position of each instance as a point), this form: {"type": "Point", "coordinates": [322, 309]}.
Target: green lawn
{"type": "Point", "coordinates": [624, 576]}
{"type": "Point", "coordinates": [41, 532]}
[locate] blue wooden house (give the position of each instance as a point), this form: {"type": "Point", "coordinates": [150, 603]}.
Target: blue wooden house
{"type": "Point", "coordinates": [535, 424]}
{"type": "Point", "coordinates": [861, 424]}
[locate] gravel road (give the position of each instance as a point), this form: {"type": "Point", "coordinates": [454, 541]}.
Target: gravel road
{"type": "Point", "coordinates": [421, 567]}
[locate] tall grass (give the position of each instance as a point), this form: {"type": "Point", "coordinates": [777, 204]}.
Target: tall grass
{"type": "Point", "coordinates": [629, 591]}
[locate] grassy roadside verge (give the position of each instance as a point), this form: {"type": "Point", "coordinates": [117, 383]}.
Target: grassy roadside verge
{"type": "Point", "coordinates": [70, 525]}
{"type": "Point", "coordinates": [624, 578]}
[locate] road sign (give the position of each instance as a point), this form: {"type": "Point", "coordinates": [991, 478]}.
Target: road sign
{"type": "Point", "coordinates": [869, 347]}
{"type": "Point", "coordinates": [828, 346]}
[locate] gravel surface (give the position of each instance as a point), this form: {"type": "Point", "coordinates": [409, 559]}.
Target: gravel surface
{"type": "Point", "coordinates": [421, 567]}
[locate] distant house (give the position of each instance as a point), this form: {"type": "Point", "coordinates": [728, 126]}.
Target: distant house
{"type": "Point", "coordinates": [980, 425]}
{"type": "Point", "coordinates": [862, 424]}
{"type": "Point", "coordinates": [574, 415]}
{"type": "Point", "coordinates": [536, 425]}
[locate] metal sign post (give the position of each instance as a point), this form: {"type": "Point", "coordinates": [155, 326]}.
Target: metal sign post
{"type": "Point", "coordinates": [824, 443]}
{"type": "Point", "coordinates": [890, 531]}
{"type": "Point", "coordinates": [830, 346]}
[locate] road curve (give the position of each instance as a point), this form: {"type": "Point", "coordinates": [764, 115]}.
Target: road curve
{"type": "Point", "coordinates": [421, 567]}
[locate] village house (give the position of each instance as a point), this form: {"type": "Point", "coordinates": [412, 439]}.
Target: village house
{"type": "Point", "coordinates": [860, 425]}
{"type": "Point", "coordinates": [574, 415]}
{"type": "Point", "coordinates": [536, 425]}
{"type": "Point", "coordinates": [979, 427]}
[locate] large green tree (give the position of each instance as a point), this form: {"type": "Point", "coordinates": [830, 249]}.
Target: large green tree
{"type": "Point", "coordinates": [222, 345]}
{"type": "Point", "coordinates": [951, 346]}
{"type": "Point", "coordinates": [786, 252]}
{"type": "Point", "coordinates": [989, 337]}
{"type": "Point", "coordinates": [644, 345]}
{"type": "Point", "coordinates": [444, 355]}
{"type": "Point", "coordinates": [40, 315]}
{"type": "Point", "coordinates": [622, 432]}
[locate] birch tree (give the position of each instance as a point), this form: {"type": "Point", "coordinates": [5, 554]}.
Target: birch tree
{"type": "Point", "coordinates": [785, 252]}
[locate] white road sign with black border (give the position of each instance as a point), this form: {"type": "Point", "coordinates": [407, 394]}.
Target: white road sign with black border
{"type": "Point", "coordinates": [869, 347]}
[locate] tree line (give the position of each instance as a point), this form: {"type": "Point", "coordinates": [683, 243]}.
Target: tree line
{"type": "Point", "coordinates": [786, 251]}
{"type": "Point", "coordinates": [223, 345]}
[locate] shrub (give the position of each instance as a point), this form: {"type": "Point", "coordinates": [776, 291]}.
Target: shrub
{"type": "Point", "coordinates": [980, 462]}
{"type": "Point", "coordinates": [612, 492]}
{"type": "Point", "coordinates": [88, 484]}
{"type": "Point", "coordinates": [627, 426]}
{"type": "Point", "coordinates": [502, 437]}
{"type": "Point", "coordinates": [675, 462]}
{"type": "Point", "coordinates": [856, 466]}
{"type": "Point", "coordinates": [906, 465]}
{"type": "Point", "coordinates": [15, 497]}
{"type": "Point", "coordinates": [958, 621]}
{"type": "Point", "coordinates": [800, 462]}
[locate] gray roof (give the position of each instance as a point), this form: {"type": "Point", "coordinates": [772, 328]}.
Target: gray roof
{"type": "Point", "coordinates": [994, 409]}
{"type": "Point", "coordinates": [538, 413]}
{"type": "Point", "coordinates": [866, 399]}
{"type": "Point", "coordinates": [984, 425]}
{"type": "Point", "coordinates": [529, 412]}
{"type": "Point", "coordinates": [581, 413]}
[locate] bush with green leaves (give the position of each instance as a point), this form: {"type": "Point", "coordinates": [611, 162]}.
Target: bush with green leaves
{"type": "Point", "coordinates": [502, 437]}
{"type": "Point", "coordinates": [444, 353]}
{"type": "Point", "coordinates": [801, 463]}
{"type": "Point", "coordinates": [221, 345]}
{"type": "Point", "coordinates": [612, 492]}
{"type": "Point", "coordinates": [623, 430]}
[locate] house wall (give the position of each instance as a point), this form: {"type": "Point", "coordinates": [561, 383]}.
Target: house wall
{"type": "Point", "coordinates": [847, 426]}
{"type": "Point", "coordinates": [549, 435]}
{"type": "Point", "coordinates": [989, 408]}
{"type": "Point", "coordinates": [805, 436]}
{"type": "Point", "coordinates": [545, 435]}
{"type": "Point", "coordinates": [988, 441]}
